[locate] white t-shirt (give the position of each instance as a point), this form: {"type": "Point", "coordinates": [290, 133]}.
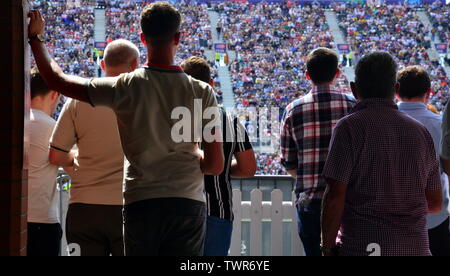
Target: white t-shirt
{"type": "Point", "coordinates": [43, 196]}
{"type": "Point", "coordinates": [156, 166]}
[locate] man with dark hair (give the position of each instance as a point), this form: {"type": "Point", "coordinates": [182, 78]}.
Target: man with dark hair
{"type": "Point", "coordinates": [305, 136]}
{"type": "Point", "coordinates": [382, 172]}
{"type": "Point", "coordinates": [219, 227]}
{"type": "Point", "coordinates": [414, 93]}
{"type": "Point", "coordinates": [165, 210]}
{"type": "Point", "coordinates": [44, 228]}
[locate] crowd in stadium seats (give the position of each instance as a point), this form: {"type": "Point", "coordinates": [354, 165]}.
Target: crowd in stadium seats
{"type": "Point", "coordinates": [440, 18]}
{"type": "Point", "coordinates": [71, 29]}
{"type": "Point", "coordinates": [123, 22]}
{"type": "Point", "coordinates": [396, 29]}
{"type": "Point", "coordinates": [271, 41]}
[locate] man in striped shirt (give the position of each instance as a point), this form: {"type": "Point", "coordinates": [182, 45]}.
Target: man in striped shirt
{"type": "Point", "coordinates": [218, 188]}
{"type": "Point", "coordinates": [305, 135]}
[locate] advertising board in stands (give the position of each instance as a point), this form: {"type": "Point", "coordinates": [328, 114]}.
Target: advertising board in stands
{"type": "Point", "coordinates": [441, 48]}
{"type": "Point", "coordinates": [344, 48]}
{"type": "Point", "coordinates": [100, 45]}
{"type": "Point", "coordinates": [220, 48]}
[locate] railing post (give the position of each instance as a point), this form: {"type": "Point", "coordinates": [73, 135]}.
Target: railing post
{"type": "Point", "coordinates": [256, 223]}
{"type": "Point", "coordinates": [236, 239]}
{"type": "Point", "coordinates": [277, 223]}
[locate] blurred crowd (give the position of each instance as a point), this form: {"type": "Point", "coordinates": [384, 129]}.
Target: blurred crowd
{"type": "Point", "coordinates": [123, 18]}
{"type": "Point", "coordinates": [271, 42]}
{"type": "Point", "coordinates": [397, 29]}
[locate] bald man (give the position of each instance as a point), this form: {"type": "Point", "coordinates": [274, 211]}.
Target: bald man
{"type": "Point", "coordinates": [94, 219]}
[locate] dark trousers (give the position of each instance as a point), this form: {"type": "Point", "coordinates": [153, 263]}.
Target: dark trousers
{"type": "Point", "coordinates": [97, 229]}
{"type": "Point", "coordinates": [218, 236]}
{"type": "Point", "coordinates": [440, 239]}
{"type": "Point", "coordinates": [44, 239]}
{"type": "Point", "coordinates": [165, 227]}
{"type": "Point", "coordinates": [309, 227]}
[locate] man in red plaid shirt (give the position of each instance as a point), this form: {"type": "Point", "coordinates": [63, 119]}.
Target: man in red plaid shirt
{"type": "Point", "coordinates": [305, 136]}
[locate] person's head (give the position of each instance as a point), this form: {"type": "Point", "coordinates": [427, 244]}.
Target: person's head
{"type": "Point", "coordinates": [120, 56]}
{"type": "Point", "coordinates": [376, 76]}
{"type": "Point", "coordinates": [160, 24]}
{"type": "Point", "coordinates": [42, 97]}
{"type": "Point", "coordinates": [415, 84]}
{"type": "Point", "coordinates": [322, 66]}
{"type": "Point", "coordinates": [198, 68]}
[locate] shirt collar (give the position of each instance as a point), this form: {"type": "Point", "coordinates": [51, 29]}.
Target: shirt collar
{"type": "Point", "coordinates": [375, 103]}
{"type": "Point", "coordinates": [163, 66]}
{"type": "Point", "coordinates": [321, 89]}
{"type": "Point", "coordinates": [411, 105]}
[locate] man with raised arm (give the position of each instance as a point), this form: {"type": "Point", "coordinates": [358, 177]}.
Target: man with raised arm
{"type": "Point", "coordinates": [165, 210]}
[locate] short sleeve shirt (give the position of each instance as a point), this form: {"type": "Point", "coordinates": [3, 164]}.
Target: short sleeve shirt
{"type": "Point", "coordinates": [150, 104]}
{"type": "Point", "coordinates": [388, 161]}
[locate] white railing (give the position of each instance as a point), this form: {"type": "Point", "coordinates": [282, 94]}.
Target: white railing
{"type": "Point", "coordinates": [256, 212]}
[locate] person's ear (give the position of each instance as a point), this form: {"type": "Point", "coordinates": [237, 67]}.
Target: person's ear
{"type": "Point", "coordinates": [354, 90]}
{"type": "Point", "coordinates": [103, 65]}
{"type": "Point", "coordinates": [177, 39]}
{"type": "Point", "coordinates": [338, 73]}
{"type": "Point", "coordinates": [211, 82]}
{"type": "Point", "coordinates": [308, 77]}
{"type": "Point", "coordinates": [397, 87]}
{"type": "Point", "coordinates": [427, 95]}
{"type": "Point", "coordinates": [143, 40]}
{"type": "Point", "coordinates": [135, 64]}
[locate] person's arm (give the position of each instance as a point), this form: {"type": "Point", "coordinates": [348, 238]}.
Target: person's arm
{"type": "Point", "coordinates": [434, 200]}
{"type": "Point", "coordinates": [292, 173]}
{"type": "Point", "coordinates": [289, 151]}
{"type": "Point", "coordinates": [70, 86]}
{"type": "Point", "coordinates": [61, 158]}
{"type": "Point", "coordinates": [445, 142]}
{"type": "Point", "coordinates": [212, 163]}
{"type": "Point", "coordinates": [63, 139]}
{"type": "Point", "coordinates": [245, 164]}
{"type": "Point", "coordinates": [445, 163]}
{"type": "Point", "coordinates": [332, 211]}
{"type": "Point", "coordinates": [337, 172]}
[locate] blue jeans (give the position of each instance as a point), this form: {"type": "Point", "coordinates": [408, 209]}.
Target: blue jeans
{"type": "Point", "coordinates": [218, 236]}
{"type": "Point", "coordinates": [309, 227]}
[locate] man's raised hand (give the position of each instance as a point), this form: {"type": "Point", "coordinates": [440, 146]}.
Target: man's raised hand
{"type": "Point", "coordinates": [36, 25]}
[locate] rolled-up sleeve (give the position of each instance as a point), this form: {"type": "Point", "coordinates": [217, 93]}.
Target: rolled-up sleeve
{"type": "Point", "coordinates": [289, 150]}
{"type": "Point", "coordinates": [340, 160]}
{"type": "Point", "coordinates": [445, 147]}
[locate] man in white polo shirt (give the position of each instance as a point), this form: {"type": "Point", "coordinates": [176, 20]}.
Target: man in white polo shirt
{"type": "Point", "coordinates": [165, 210]}
{"type": "Point", "coordinates": [94, 219]}
{"type": "Point", "coordinates": [44, 228]}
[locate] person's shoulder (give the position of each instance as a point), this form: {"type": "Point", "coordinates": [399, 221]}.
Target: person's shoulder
{"type": "Point", "coordinates": [297, 104]}
{"type": "Point", "coordinates": [199, 86]}
{"type": "Point", "coordinates": [41, 120]}
{"type": "Point", "coordinates": [341, 95]}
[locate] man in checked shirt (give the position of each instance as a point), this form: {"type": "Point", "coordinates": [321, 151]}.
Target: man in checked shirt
{"type": "Point", "coordinates": [305, 136]}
